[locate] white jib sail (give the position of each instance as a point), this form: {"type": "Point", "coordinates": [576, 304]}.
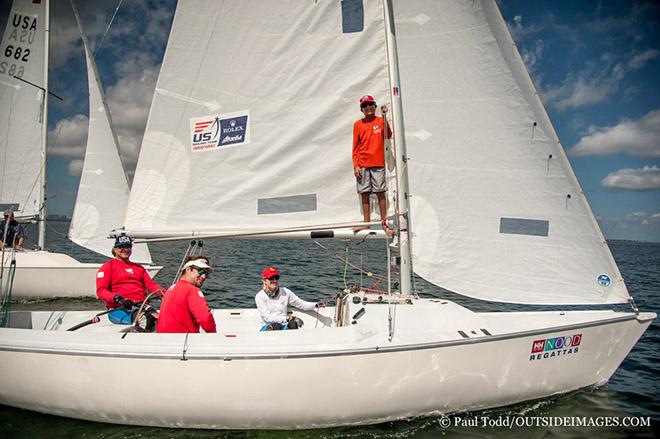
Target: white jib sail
{"type": "Point", "coordinates": [252, 119]}
{"type": "Point", "coordinates": [103, 191]}
{"type": "Point", "coordinates": [21, 107]}
{"type": "Point", "coordinates": [497, 212]}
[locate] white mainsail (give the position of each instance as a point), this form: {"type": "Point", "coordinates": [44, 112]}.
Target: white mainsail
{"type": "Point", "coordinates": [497, 212]}
{"type": "Point", "coordinates": [21, 108]}
{"type": "Point", "coordinates": [276, 84]}
{"type": "Point", "coordinates": [103, 190]}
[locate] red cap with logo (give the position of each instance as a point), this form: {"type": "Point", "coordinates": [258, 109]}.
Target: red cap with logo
{"type": "Point", "coordinates": [366, 99]}
{"type": "Point", "coordinates": [269, 272]}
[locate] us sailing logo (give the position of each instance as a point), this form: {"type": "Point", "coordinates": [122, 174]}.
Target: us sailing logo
{"type": "Point", "coordinates": [219, 131]}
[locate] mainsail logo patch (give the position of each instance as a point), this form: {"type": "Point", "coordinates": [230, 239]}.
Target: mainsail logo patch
{"type": "Point", "coordinates": [219, 130]}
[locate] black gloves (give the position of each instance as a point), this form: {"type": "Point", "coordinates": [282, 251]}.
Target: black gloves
{"type": "Point", "coordinates": [125, 303]}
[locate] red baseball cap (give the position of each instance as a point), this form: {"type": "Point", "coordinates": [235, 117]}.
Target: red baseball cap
{"type": "Point", "coordinates": [269, 272]}
{"type": "Point", "coordinates": [367, 98]}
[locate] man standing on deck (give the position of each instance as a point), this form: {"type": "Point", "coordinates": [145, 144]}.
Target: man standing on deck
{"type": "Point", "coordinates": [184, 308]}
{"type": "Point", "coordinates": [369, 159]}
{"type": "Point", "coordinates": [122, 284]}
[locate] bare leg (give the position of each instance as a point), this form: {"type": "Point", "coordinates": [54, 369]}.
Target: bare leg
{"type": "Point", "coordinates": [382, 206]}
{"type": "Point", "coordinates": [366, 212]}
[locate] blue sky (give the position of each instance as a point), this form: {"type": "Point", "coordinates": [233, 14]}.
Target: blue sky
{"type": "Point", "coordinates": [596, 65]}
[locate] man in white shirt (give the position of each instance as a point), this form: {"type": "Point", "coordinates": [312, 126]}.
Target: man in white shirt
{"type": "Point", "coordinates": [272, 302]}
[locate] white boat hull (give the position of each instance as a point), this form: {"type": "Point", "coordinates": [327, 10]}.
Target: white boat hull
{"type": "Point", "coordinates": [43, 274]}
{"type": "Point", "coordinates": [314, 377]}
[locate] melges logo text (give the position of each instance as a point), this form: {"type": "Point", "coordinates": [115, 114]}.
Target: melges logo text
{"type": "Point", "coordinates": [554, 347]}
{"type": "Point", "coordinates": [219, 131]}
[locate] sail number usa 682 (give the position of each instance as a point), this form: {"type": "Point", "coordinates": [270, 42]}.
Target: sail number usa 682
{"type": "Point", "coordinates": [19, 37]}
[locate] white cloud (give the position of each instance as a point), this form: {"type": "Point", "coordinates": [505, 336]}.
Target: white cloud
{"type": "Point", "coordinates": [640, 225]}
{"type": "Point", "coordinates": [642, 218]}
{"type": "Point", "coordinates": [532, 57]}
{"type": "Point", "coordinates": [645, 178]}
{"type": "Point", "coordinates": [520, 31]}
{"type": "Point", "coordinates": [129, 102]}
{"type": "Point", "coordinates": [69, 137]}
{"type": "Point", "coordinates": [75, 167]}
{"type": "Point", "coordinates": [596, 82]}
{"type": "Point", "coordinates": [531, 53]}
{"type": "Point", "coordinates": [590, 86]}
{"type": "Point", "coordinates": [639, 138]}
{"type": "Point", "coordinates": [639, 61]}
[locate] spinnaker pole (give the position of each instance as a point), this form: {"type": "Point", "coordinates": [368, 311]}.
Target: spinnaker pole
{"type": "Point", "coordinates": [402, 189]}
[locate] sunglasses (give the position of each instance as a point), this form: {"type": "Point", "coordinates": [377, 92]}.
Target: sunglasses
{"type": "Point", "coordinates": [203, 272]}
{"type": "Point", "coordinates": [276, 277]}
{"type": "Point", "coordinates": [368, 104]}
{"type": "Point", "coordinates": [124, 246]}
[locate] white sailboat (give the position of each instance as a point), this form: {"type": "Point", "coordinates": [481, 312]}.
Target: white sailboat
{"type": "Point", "coordinates": [249, 135]}
{"type": "Point", "coordinates": [103, 191]}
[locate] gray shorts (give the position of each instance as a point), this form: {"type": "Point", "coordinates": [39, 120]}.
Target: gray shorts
{"type": "Point", "coordinates": [372, 181]}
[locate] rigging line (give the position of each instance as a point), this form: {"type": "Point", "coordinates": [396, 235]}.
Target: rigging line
{"type": "Point", "coordinates": [108, 28]}
{"type": "Point", "coordinates": [57, 232]}
{"type": "Point", "coordinates": [346, 263]}
{"type": "Point", "coordinates": [336, 256]}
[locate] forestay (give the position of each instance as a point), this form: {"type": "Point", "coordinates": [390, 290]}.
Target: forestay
{"type": "Point", "coordinates": [497, 212]}
{"type": "Point", "coordinates": [103, 190]}
{"type": "Point", "coordinates": [252, 117]}
{"type": "Point", "coordinates": [21, 107]}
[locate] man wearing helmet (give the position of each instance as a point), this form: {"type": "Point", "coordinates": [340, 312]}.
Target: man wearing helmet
{"type": "Point", "coordinates": [369, 159]}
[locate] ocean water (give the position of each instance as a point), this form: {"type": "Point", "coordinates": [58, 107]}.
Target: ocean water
{"type": "Point", "coordinates": [316, 273]}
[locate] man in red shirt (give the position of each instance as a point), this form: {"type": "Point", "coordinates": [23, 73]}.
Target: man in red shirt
{"type": "Point", "coordinates": [369, 159]}
{"type": "Point", "coordinates": [184, 308]}
{"type": "Point", "coordinates": [122, 283]}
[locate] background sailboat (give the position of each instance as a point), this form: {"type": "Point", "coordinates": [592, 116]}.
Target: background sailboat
{"type": "Point", "coordinates": [23, 116]}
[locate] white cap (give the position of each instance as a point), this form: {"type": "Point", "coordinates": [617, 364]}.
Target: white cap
{"type": "Point", "coordinates": [198, 263]}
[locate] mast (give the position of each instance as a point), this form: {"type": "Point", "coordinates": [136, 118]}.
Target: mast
{"type": "Point", "coordinates": [402, 188]}
{"type": "Point", "coordinates": [44, 133]}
